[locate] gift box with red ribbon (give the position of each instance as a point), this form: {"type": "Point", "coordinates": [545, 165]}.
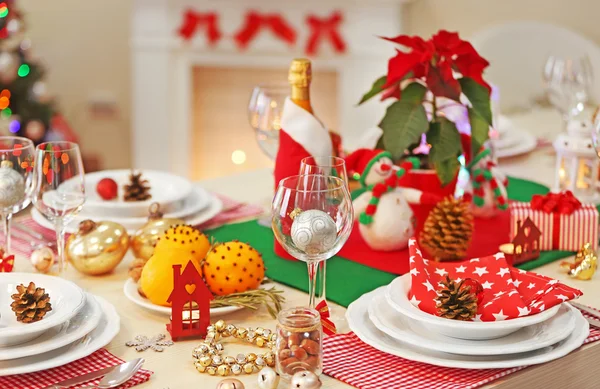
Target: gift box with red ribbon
{"type": "Point", "coordinates": [565, 223]}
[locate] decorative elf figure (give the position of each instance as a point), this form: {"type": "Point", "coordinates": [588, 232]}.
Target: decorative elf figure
{"type": "Point", "coordinates": [487, 188]}
{"type": "Point", "coordinates": [386, 221]}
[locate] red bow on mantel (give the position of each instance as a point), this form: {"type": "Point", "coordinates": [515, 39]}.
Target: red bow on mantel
{"type": "Point", "coordinates": [325, 28]}
{"type": "Point", "coordinates": [328, 326]}
{"type": "Point", "coordinates": [563, 203]}
{"type": "Point", "coordinates": [192, 20]}
{"type": "Point", "coordinates": [256, 21]}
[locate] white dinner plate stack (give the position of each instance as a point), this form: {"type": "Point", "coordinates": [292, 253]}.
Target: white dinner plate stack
{"type": "Point", "coordinates": [386, 320]}
{"type": "Point", "coordinates": [512, 141]}
{"type": "Point", "coordinates": [78, 325]}
{"type": "Point", "coordinates": [177, 196]}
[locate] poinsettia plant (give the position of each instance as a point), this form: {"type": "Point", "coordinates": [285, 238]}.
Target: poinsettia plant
{"type": "Point", "coordinates": [419, 78]}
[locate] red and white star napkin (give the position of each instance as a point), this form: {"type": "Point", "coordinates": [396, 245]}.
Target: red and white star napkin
{"type": "Point", "coordinates": [507, 292]}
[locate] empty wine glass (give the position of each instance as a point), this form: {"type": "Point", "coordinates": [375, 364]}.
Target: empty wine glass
{"type": "Point", "coordinates": [16, 178]}
{"type": "Point", "coordinates": [264, 112]}
{"type": "Point", "coordinates": [568, 83]}
{"type": "Point", "coordinates": [59, 187]}
{"type": "Point", "coordinates": [312, 218]}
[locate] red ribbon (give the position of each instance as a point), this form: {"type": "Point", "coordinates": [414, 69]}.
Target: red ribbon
{"type": "Point", "coordinates": [192, 20]}
{"type": "Point", "coordinates": [255, 22]}
{"type": "Point", "coordinates": [328, 326]}
{"type": "Point", "coordinates": [7, 264]}
{"type": "Point", "coordinates": [563, 203]}
{"type": "Point", "coordinates": [325, 28]}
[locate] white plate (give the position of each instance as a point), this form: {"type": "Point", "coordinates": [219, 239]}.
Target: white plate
{"type": "Point", "coordinates": [66, 298]}
{"type": "Point", "coordinates": [131, 292]}
{"type": "Point", "coordinates": [107, 329]}
{"type": "Point", "coordinates": [358, 320]}
{"type": "Point", "coordinates": [167, 189]}
{"type": "Point", "coordinates": [80, 325]}
{"type": "Point", "coordinates": [529, 338]}
{"type": "Point", "coordinates": [194, 203]}
{"type": "Point", "coordinates": [397, 296]}
{"type": "Point", "coordinates": [526, 144]}
{"type": "Point", "coordinates": [215, 206]}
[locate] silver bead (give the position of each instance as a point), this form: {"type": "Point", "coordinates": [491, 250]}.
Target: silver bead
{"type": "Point", "coordinates": [260, 362]}
{"type": "Point", "coordinates": [305, 380]}
{"type": "Point", "coordinates": [230, 383]}
{"type": "Point", "coordinates": [266, 333]}
{"type": "Point", "coordinates": [268, 379]}
{"type": "Point", "coordinates": [241, 359]}
{"type": "Point", "coordinates": [251, 335]}
{"type": "Point", "coordinates": [219, 347]}
{"type": "Point", "coordinates": [217, 360]}
{"type": "Point", "coordinates": [203, 348]}
{"type": "Point", "coordinates": [210, 329]}
{"type": "Point", "coordinates": [229, 360]}
{"type": "Point", "coordinates": [236, 369]}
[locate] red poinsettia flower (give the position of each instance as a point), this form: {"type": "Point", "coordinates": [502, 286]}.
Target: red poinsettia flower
{"type": "Point", "coordinates": [434, 62]}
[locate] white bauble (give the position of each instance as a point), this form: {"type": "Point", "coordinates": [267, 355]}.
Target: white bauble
{"type": "Point", "coordinates": [9, 65]}
{"type": "Point", "coordinates": [314, 231]}
{"type": "Point", "coordinates": [268, 378]}
{"type": "Point", "coordinates": [12, 185]}
{"type": "Point", "coordinates": [305, 380]}
{"type": "Point", "coordinates": [393, 221]}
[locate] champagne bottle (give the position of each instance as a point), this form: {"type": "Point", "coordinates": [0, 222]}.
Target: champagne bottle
{"type": "Point", "coordinates": [299, 77]}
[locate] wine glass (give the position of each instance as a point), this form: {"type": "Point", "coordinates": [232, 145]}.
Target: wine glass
{"type": "Point", "coordinates": [16, 178]}
{"type": "Point", "coordinates": [312, 218]}
{"type": "Point", "coordinates": [59, 187]}
{"type": "Point", "coordinates": [264, 113]}
{"type": "Point", "coordinates": [568, 83]}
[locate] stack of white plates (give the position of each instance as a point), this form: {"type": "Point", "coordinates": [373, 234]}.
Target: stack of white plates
{"type": "Point", "coordinates": [177, 196]}
{"type": "Point", "coordinates": [386, 320]}
{"type": "Point", "coordinates": [78, 325]}
{"type": "Point", "coordinates": [511, 140]}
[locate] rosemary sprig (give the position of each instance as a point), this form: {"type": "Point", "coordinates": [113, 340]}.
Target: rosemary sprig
{"type": "Point", "coordinates": [271, 298]}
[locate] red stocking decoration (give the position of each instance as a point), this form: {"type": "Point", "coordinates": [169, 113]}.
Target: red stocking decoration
{"type": "Point", "coordinates": [256, 21]}
{"type": "Point", "coordinates": [192, 20]}
{"type": "Point", "coordinates": [325, 28]}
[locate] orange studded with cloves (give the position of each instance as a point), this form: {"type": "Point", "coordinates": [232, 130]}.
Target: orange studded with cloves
{"type": "Point", "coordinates": [233, 267]}
{"type": "Point", "coordinates": [184, 239]}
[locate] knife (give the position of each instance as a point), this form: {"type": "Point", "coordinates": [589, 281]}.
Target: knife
{"type": "Point", "coordinates": [589, 310]}
{"type": "Point", "coordinates": [82, 378]}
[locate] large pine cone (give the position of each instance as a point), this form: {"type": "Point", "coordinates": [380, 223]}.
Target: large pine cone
{"type": "Point", "coordinates": [456, 301]}
{"type": "Point", "coordinates": [30, 303]}
{"type": "Point", "coordinates": [138, 188]}
{"type": "Point", "coordinates": [447, 232]}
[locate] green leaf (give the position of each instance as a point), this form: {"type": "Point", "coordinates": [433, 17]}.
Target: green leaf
{"type": "Point", "coordinates": [479, 97]}
{"type": "Point", "coordinates": [480, 131]}
{"type": "Point", "coordinates": [376, 89]}
{"type": "Point", "coordinates": [403, 124]}
{"type": "Point", "coordinates": [444, 140]}
{"type": "Point", "coordinates": [413, 93]}
{"type": "Point", "coordinates": [447, 169]}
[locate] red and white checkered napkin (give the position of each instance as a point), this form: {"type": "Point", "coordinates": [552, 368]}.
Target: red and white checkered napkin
{"type": "Point", "coordinates": [98, 360]}
{"type": "Point", "coordinates": [356, 363]}
{"type": "Point", "coordinates": [507, 292]}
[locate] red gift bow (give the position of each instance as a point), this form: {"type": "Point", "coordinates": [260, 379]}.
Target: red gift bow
{"type": "Point", "coordinates": [563, 203]}
{"type": "Point", "coordinates": [7, 264]}
{"type": "Point", "coordinates": [328, 326]}
{"type": "Point", "coordinates": [255, 21]}
{"type": "Point", "coordinates": [325, 28]}
{"type": "Point", "coordinates": [192, 20]}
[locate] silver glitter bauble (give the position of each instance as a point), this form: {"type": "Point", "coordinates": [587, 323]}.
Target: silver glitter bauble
{"type": "Point", "coordinates": [305, 380]}
{"type": "Point", "coordinates": [230, 383]}
{"type": "Point", "coordinates": [268, 378]}
{"type": "Point", "coordinates": [314, 231]}
{"type": "Point", "coordinates": [12, 185]}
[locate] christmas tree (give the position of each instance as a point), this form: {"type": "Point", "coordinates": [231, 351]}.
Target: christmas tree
{"type": "Point", "coordinates": [26, 109]}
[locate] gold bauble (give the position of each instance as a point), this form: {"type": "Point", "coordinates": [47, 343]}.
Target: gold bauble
{"type": "Point", "coordinates": [97, 248]}
{"type": "Point", "coordinates": [145, 238]}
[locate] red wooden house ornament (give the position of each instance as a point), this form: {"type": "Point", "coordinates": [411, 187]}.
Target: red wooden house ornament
{"type": "Point", "coordinates": [190, 303]}
{"type": "Point", "coordinates": [526, 242]}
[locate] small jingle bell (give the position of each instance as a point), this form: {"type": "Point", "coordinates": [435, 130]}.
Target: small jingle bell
{"type": "Point", "coordinates": [268, 378]}
{"type": "Point", "coordinates": [42, 259]}
{"type": "Point", "coordinates": [230, 383]}
{"type": "Point", "coordinates": [305, 380]}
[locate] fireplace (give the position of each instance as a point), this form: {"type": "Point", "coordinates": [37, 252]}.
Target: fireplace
{"type": "Point", "coordinates": [189, 99]}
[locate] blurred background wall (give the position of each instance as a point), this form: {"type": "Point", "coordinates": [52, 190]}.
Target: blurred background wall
{"type": "Point", "coordinates": [85, 47]}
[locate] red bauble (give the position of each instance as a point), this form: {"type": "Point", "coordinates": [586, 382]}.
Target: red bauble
{"type": "Point", "coordinates": [107, 188]}
{"type": "Point", "coordinates": [475, 288]}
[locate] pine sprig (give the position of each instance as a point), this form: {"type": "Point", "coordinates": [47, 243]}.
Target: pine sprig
{"type": "Point", "coordinates": [271, 298]}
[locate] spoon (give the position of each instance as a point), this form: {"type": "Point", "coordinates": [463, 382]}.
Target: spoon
{"type": "Point", "coordinates": [118, 376]}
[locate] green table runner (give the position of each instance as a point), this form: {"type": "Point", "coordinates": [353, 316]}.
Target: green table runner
{"type": "Point", "coordinates": [348, 280]}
